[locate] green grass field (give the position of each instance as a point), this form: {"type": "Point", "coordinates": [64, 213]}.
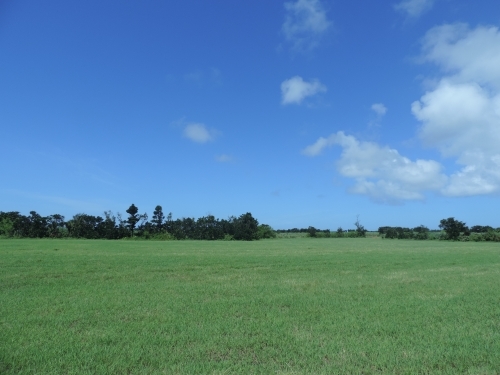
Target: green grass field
{"type": "Point", "coordinates": [287, 306]}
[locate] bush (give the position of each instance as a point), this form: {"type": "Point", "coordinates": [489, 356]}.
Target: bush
{"type": "Point", "coordinates": [265, 231]}
{"type": "Point", "coordinates": [352, 234]}
{"type": "Point", "coordinates": [421, 236]}
{"type": "Point", "coordinates": [6, 228]}
{"type": "Point", "coordinates": [476, 237]}
{"type": "Point", "coordinates": [491, 235]}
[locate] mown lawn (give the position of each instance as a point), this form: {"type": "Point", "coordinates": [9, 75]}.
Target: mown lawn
{"type": "Point", "coordinates": [288, 306]}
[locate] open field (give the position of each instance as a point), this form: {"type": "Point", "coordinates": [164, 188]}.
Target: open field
{"type": "Point", "coordinates": [288, 306]}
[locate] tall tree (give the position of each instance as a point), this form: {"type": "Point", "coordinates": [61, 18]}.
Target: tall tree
{"type": "Point", "coordinates": [360, 229]}
{"type": "Point", "coordinates": [158, 218]}
{"type": "Point", "coordinates": [55, 225]}
{"type": "Point", "coordinates": [133, 218]}
{"type": "Point", "coordinates": [38, 225]}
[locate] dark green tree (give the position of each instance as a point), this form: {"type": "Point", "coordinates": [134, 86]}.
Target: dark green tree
{"type": "Point", "coordinates": [133, 218]}
{"type": "Point", "coordinates": [421, 232]}
{"type": "Point", "coordinates": [453, 228]}
{"type": "Point", "coordinates": [340, 232]}
{"type": "Point", "coordinates": [55, 225]}
{"type": "Point", "coordinates": [38, 225]}
{"type": "Point", "coordinates": [6, 227]}
{"type": "Point", "coordinates": [158, 218]}
{"type": "Point", "coordinates": [246, 228]}
{"type": "Point", "coordinates": [391, 232]}
{"type": "Point", "coordinates": [480, 229]}
{"type": "Point", "coordinates": [311, 231]}
{"type": "Point", "coordinates": [84, 226]}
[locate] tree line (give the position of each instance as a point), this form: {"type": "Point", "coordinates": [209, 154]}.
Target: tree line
{"type": "Point", "coordinates": [450, 229]}
{"type": "Point", "coordinates": [245, 227]}
{"type": "Point", "coordinates": [311, 231]}
{"type": "Point", "coordinates": [135, 225]}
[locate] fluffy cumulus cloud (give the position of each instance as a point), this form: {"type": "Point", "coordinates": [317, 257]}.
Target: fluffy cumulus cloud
{"type": "Point", "coordinates": [381, 172]}
{"type": "Point", "coordinates": [414, 8]}
{"type": "Point", "coordinates": [198, 133]}
{"type": "Point", "coordinates": [295, 90]}
{"type": "Point", "coordinates": [305, 23]}
{"type": "Point", "coordinates": [460, 116]}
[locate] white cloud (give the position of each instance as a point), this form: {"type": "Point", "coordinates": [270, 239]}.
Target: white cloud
{"type": "Point", "coordinates": [295, 89]}
{"type": "Point", "coordinates": [305, 22]}
{"type": "Point", "coordinates": [414, 8]}
{"type": "Point", "coordinates": [381, 172]}
{"type": "Point", "coordinates": [317, 147]}
{"type": "Point", "coordinates": [460, 116]}
{"type": "Point", "coordinates": [467, 55]}
{"type": "Point", "coordinates": [379, 109]}
{"type": "Point", "coordinates": [198, 133]}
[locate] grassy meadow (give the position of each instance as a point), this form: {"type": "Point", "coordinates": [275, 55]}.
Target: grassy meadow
{"type": "Point", "coordinates": [284, 306]}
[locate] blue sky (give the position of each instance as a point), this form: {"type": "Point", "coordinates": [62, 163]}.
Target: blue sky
{"type": "Point", "coordinates": [302, 112]}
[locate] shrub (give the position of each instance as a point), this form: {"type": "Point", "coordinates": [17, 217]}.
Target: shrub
{"type": "Point", "coordinates": [352, 234]}
{"type": "Point", "coordinates": [265, 231]}
{"type": "Point", "coordinates": [391, 233]}
{"type": "Point", "coordinates": [491, 235]}
{"type": "Point", "coordinates": [421, 236]}
{"type": "Point", "coordinates": [476, 237]}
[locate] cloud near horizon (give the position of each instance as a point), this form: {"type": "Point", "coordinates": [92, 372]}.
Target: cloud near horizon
{"type": "Point", "coordinates": [295, 90]}
{"type": "Point", "coordinates": [305, 23]}
{"type": "Point", "coordinates": [381, 172]}
{"type": "Point", "coordinates": [459, 116]}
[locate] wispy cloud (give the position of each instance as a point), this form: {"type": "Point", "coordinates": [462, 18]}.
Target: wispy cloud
{"type": "Point", "coordinates": [295, 90]}
{"type": "Point", "coordinates": [211, 76]}
{"type": "Point", "coordinates": [305, 22]}
{"type": "Point", "coordinates": [414, 8]}
{"type": "Point", "coordinates": [379, 109]}
{"type": "Point", "coordinates": [199, 133]}
{"type": "Point", "coordinates": [224, 158]}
